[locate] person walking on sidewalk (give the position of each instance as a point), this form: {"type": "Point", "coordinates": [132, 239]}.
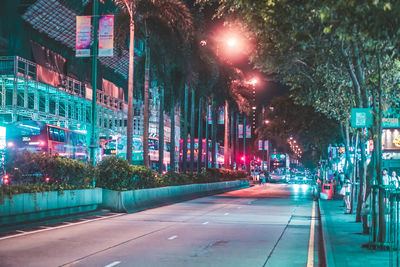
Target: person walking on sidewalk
{"type": "Point", "coordinates": [347, 193]}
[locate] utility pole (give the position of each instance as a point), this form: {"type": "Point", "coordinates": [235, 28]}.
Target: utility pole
{"type": "Point", "coordinates": [93, 138]}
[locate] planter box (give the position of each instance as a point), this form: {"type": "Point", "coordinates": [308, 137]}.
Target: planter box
{"type": "Point", "coordinates": [135, 200]}
{"type": "Point", "coordinates": [34, 206]}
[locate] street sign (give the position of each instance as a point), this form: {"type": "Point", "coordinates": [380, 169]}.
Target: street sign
{"type": "Point", "coordinates": [361, 117]}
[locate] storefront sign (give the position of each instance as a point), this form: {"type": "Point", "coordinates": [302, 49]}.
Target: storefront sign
{"type": "Point", "coordinates": [391, 139]}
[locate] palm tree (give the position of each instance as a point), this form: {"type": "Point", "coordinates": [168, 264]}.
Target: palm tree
{"type": "Point", "coordinates": [170, 12]}
{"type": "Point", "coordinates": [169, 66]}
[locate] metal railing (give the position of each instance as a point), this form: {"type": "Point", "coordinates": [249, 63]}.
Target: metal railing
{"type": "Point", "coordinates": [388, 236]}
{"type": "Point", "coordinates": [17, 66]}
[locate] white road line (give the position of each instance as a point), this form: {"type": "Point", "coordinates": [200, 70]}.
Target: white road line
{"type": "Point", "coordinates": [172, 237]}
{"type": "Point", "coordinates": [239, 207]}
{"type": "Point", "coordinates": [113, 264]}
{"type": "Point", "coordinates": [19, 231]}
{"type": "Point", "coordinates": [226, 213]}
{"type": "Point", "coordinates": [310, 258]}
{"type": "Point", "coordinates": [205, 222]}
{"type": "Point", "coordinates": [22, 233]}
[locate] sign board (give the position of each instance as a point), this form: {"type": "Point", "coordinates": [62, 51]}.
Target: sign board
{"type": "Point", "coordinates": [391, 139]}
{"type": "Point", "coordinates": [248, 131]}
{"type": "Point", "coordinates": [106, 35]}
{"type": "Point", "coordinates": [240, 130]}
{"type": "Point", "coordinates": [260, 145]}
{"type": "Point", "coordinates": [266, 145]}
{"type": "Point", "coordinates": [83, 36]}
{"type": "Point", "coordinates": [361, 117]}
{"type": "Point", "coordinates": [221, 113]}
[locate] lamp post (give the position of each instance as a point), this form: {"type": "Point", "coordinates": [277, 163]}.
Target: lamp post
{"type": "Point", "coordinates": [93, 139]}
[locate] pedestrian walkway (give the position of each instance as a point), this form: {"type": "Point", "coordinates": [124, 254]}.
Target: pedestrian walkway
{"type": "Point", "coordinates": [343, 238]}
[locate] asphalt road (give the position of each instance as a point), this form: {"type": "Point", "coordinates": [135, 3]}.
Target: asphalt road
{"type": "Point", "coordinates": [266, 225]}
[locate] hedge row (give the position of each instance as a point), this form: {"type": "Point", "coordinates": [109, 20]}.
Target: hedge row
{"type": "Point", "coordinates": [39, 172]}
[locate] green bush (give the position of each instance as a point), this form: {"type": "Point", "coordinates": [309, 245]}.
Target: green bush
{"type": "Point", "coordinates": [225, 174]}
{"type": "Point", "coordinates": [171, 178]}
{"type": "Point", "coordinates": [28, 172]}
{"type": "Point", "coordinates": [33, 168]}
{"type": "Point", "coordinates": [116, 173]}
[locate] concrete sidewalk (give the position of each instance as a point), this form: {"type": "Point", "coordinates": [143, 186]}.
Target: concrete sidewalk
{"type": "Point", "coordinates": [343, 238]}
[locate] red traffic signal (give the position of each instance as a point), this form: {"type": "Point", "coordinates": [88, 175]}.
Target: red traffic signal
{"type": "Point", "coordinates": [6, 179]}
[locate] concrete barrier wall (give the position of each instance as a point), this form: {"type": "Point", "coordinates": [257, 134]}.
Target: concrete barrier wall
{"type": "Point", "coordinates": [34, 206]}
{"type": "Point", "coordinates": [134, 200]}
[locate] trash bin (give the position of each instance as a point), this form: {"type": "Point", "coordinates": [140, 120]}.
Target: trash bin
{"type": "Point", "coordinates": [328, 189]}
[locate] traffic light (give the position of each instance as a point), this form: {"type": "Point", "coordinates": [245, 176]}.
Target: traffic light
{"type": "Point", "coordinates": [6, 179]}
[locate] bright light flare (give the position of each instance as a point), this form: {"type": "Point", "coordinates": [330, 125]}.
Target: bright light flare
{"type": "Point", "coordinates": [231, 42]}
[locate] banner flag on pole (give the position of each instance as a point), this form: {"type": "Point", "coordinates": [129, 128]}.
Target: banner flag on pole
{"type": "Point", "coordinates": [260, 145]}
{"type": "Point", "coordinates": [265, 144]}
{"type": "Point", "coordinates": [106, 35]}
{"type": "Point", "coordinates": [248, 131]}
{"type": "Point", "coordinates": [221, 113]}
{"type": "Point", "coordinates": [240, 130]}
{"type": "Point", "coordinates": [83, 36]}
{"type": "Point", "coordinates": [209, 117]}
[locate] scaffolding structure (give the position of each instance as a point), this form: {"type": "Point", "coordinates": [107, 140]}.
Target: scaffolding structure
{"type": "Point", "coordinates": [23, 97]}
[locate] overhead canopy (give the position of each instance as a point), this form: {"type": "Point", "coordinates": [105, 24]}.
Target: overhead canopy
{"type": "Point", "coordinates": [58, 22]}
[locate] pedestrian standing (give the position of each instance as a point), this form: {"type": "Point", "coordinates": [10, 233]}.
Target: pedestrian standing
{"type": "Point", "coordinates": [347, 191]}
{"type": "Point", "coordinates": [394, 179]}
{"type": "Point", "coordinates": [385, 177]}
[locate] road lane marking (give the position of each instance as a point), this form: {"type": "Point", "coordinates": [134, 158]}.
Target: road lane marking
{"type": "Point", "coordinates": [113, 264]}
{"type": "Point", "coordinates": [22, 233]}
{"type": "Point", "coordinates": [310, 258]}
{"type": "Point", "coordinates": [19, 231]}
{"type": "Point", "coordinates": [226, 213]}
{"type": "Point", "coordinates": [172, 237]}
{"type": "Point", "coordinates": [205, 222]}
{"type": "Point", "coordinates": [239, 207]}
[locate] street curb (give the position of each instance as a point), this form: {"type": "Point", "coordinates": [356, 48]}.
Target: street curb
{"type": "Point", "coordinates": [326, 242]}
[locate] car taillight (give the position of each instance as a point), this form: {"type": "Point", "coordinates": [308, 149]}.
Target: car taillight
{"type": "Point", "coordinates": [47, 179]}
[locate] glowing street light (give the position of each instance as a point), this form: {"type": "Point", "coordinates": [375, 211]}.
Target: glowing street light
{"type": "Point", "coordinates": [231, 42]}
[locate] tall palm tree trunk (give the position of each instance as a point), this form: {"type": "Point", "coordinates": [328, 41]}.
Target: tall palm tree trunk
{"type": "Point", "coordinates": [161, 133]}
{"type": "Point", "coordinates": [232, 141]}
{"type": "Point", "coordinates": [200, 136]}
{"type": "Point", "coordinates": [213, 134]}
{"type": "Point", "coordinates": [226, 137]}
{"type": "Point", "coordinates": [146, 111]}
{"type": "Point", "coordinates": [206, 135]}
{"type": "Point", "coordinates": [184, 132]}
{"type": "Point", "coordinates": [172, 148]}
{"type": "Point", "coordinates": [192, 131]}
{"type": "Point", "coordinates": [129, 122]}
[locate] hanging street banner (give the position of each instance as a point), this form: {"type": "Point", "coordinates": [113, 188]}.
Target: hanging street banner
{"type": "Point", "coordinates": [265, 144]}
{"type": "Point", "coordinates": [221, 113]}
{"type": "Point", "coordinates": [106, 35]}
{"type": "Point", "coordinates": [260, 145]}
{"type": "Point", "coordinates": [240, 130]}
{"type": "Point", "coordinates": [248, 131]}
{"type": "Point", "coordinates": [209, 117]}
{"type": "Point", "coordinates": [83, 36]}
